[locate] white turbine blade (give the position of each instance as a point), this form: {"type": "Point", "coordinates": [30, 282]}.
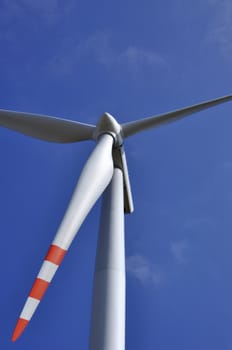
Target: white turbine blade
{"type": "Point", "coordinates": [46, 128]}
{"type": "Point", "coordinates": [93, 180]}
{"type": "Point", "coordinates": [132, 128]}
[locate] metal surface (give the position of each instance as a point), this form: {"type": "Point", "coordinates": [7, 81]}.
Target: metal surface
{"type": "Point", "coordinates": [129, 129]}
{"type": "Point", "coordinates": [108, 309]}
{"type": "Point", "coordinates": [93, 180]}
{"type": "Point", "coordinates": [107, 160]}
{"type": "Point", "coordinates": [46, 128]}
{"type": "Point", "coordinates": [119, 158]}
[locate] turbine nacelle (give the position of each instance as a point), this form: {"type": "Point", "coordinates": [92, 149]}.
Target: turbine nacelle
{"type": "Point", "coordinates": [108, 125]}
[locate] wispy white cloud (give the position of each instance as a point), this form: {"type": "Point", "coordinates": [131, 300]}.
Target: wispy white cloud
{"type": "Point", "coordinates": [143, 270]}
{"type": "Point", "coordinates": [48, 10]}
{"type": "Point", "coordinates": [9, 10]}
{"type": "Point", "coordinates": [220, 31]}
{"type": "Point", "coordinates": [134, 55]}
{"type": "Point", "coordinates": [179, 250]}
{"type": "Point", "coordinates": [199, 224]}
{"type": "Point", "coordinates": [99, 49]}
{"type": "Point", "coordinates": [227, 165]}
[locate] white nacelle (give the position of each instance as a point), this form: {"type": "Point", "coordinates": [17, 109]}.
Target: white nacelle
{"type": "Point", "coordinates": [108, 125]}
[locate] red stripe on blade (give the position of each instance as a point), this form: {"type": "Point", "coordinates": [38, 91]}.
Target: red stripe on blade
{"type": "Point", "coordinates": [38, 289]}
{"type": "Point", "coordinates": [55, 254]}
{"type": "Point", "coordinates": [19, 328]}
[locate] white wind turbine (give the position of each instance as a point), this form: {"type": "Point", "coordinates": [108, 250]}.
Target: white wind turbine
{"type": "Point", "coordinates": [105, 172]}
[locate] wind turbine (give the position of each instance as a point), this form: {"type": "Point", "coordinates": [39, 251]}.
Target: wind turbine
{"type": "Point", "coordinates": [105, 172]}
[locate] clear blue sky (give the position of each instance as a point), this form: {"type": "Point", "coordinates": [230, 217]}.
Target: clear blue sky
{"type": "Point", "coordinates": [77, 59]}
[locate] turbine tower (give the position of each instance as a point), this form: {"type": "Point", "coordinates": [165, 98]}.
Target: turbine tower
{"type": "Point", "coordinates": [105, 172]}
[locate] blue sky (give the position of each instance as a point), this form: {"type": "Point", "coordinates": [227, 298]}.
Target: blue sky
{"type": "Point", "coordinates": [133, 59]}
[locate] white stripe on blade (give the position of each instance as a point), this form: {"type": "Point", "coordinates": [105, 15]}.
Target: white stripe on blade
{"type": "Point", "coordinates": [47, 271]}
{"type": "Point", "coordinates": [29, 308]}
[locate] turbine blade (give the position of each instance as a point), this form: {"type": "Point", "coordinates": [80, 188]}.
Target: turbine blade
{"type": "Point", "coordinates": [158, 120]}
{"type": "Point", "coordinates": [93, 180]}
{"type": "Point", "coordinates": [46, 128]}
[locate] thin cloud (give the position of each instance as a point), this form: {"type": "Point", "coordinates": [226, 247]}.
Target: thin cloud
{"type": "Point", "coordinates": [98, 48]}
{"type": "Point", "coordinates": [227, 165]}
{"type": "Point", "coordinates": [134, 55]}
{"type": "Point", "coordinates": [179, 250]}
{"type": "Point", "coordinates": [143, 270]}
{"type": "Point", "coordinates": [49, 10]}
{"type": "Point", "coordinates": [199, 224]}
{"type": "Point", "coordinates": [220, 31]}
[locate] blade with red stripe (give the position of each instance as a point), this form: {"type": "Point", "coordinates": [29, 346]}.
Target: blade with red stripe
{"type": "Point", "coordinates": [88, 190]}
{"type": "Point", "coordinates": [51, 263]}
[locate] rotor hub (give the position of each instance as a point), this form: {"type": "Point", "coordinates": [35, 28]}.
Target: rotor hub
{"type": "Point", "coordinates": [108, 125]}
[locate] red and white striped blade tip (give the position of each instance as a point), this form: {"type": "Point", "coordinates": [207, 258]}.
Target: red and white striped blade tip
{"type": "Point", "coordinates": [53, 259]}
{"type": "Point", "coordinates": [19, 328]}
